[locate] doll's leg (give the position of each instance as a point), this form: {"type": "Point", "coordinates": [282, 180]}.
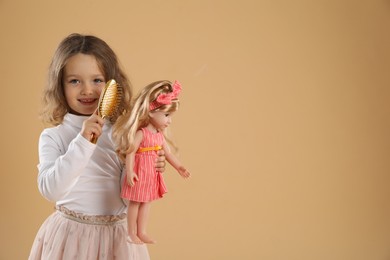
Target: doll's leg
{"type": "Point", "coordinates": [132, 216]}
{"type": "Point", "coordinates": [143, 216]}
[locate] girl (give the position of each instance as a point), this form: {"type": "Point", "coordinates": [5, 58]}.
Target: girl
{"type": "Point", "coordinates": [82, 178]}
{"type": "Point", "coordinates": [139, 135]}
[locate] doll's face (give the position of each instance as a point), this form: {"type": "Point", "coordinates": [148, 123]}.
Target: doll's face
{"type": "Point", "coordinates": [83, 81]}
{"type": "Point", "coordinates": [160, 119]}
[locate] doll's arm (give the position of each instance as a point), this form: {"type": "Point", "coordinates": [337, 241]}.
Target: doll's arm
{"type": "Point", "coordinates": [131, 175]}
{"type": "Point", "coordinates": [174, 161]}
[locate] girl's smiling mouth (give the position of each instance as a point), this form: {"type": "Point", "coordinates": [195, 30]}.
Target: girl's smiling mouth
{"type": "Point", "coordinates": [87, 101]}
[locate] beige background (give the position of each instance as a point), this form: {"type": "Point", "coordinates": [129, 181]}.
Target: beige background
{"type": "Point", "coordinates": [284, 121]}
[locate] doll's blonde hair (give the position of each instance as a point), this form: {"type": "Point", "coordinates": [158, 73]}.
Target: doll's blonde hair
{"type": "Point", "coordinates": [54, 102]}
{"type": "Point", "coordinates": [132, 121]}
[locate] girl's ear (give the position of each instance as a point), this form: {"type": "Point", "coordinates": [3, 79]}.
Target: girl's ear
{"type": "Point", "coordinates": [151, 114]}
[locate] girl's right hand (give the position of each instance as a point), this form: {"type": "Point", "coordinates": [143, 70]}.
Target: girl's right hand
{"type": "Point", "coordinates": [92, 127]}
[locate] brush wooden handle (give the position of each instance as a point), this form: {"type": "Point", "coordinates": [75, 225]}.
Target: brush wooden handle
{"type": "Point", "coordinates": [94, 139]}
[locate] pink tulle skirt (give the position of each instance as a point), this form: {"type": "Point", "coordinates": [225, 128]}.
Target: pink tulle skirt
{"type": "Point", "coordinates": [69, 235]}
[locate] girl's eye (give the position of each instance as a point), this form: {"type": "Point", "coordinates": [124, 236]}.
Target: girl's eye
{"type": "Point", "coordinates": [74, 81]}
{"type": "Point", "coordinates": [166, 115]}
{"type": "Point", "coordinates": [98, 80]}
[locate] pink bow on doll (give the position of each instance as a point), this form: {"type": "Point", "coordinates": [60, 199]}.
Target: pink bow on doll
{"type": "Point", "coordinates": [166, 98]}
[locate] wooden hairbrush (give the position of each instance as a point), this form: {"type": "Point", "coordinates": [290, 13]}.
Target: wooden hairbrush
{"type": "Point", "coordinates": [109, 102]}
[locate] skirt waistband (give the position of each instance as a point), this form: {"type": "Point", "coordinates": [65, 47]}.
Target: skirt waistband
{"type": "Point", "coordinates": [91, 219]}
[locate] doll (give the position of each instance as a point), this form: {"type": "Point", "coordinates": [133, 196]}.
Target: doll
{"type": "Point", "coordinates": [142, 136]}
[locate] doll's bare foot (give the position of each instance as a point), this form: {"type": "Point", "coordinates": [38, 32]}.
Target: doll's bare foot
{"type": "Point", "coordinates": [134, 239]}
{"type": "Point", "coordinates": [146, 239]}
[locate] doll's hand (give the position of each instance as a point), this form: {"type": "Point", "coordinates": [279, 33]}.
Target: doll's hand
{"type": "Point", "coordinates": [183, 172]}
{"type": "Point", "coordinates": [132, 178]}
{"type": "Point", "coordinates": [160, 161]}
{"type": "Point", "coordinates": [92, 126]}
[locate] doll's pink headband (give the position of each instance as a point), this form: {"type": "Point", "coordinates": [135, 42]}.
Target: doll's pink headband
{"type": "Point", "coordinates": [166, 98]}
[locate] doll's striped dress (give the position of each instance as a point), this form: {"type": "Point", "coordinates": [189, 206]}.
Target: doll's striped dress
{"type": "Point", "coordinates": [150, 185]}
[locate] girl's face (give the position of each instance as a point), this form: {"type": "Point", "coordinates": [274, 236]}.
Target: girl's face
{"type": "Point", "coordinates": [160, 119]}
{"type": "Point", "coordinates": [83, 81]}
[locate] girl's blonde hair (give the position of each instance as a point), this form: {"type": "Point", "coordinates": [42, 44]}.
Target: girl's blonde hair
{"type": "Point", "coordinates": [54, 103]}
{"type": "Point", "coordinates": [127, 125]}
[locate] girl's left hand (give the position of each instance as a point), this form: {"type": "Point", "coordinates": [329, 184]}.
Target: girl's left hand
{"type": "Point", "coordinates": [160, 161]}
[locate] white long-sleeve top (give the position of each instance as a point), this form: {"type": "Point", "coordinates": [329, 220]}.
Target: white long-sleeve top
{"type": "Point", "coordinates": [77, 174]}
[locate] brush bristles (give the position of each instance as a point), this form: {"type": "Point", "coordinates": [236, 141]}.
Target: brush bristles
{"type": "Point", "coordinates": [110, 100]}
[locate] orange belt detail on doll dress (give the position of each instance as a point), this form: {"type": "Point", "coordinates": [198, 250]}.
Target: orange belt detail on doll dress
{"type": "Point", "coordinates": [147, 149]}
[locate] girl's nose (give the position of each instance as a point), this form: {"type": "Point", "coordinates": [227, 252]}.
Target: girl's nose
{"type": "Point", "coordinates": [87, 89]}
